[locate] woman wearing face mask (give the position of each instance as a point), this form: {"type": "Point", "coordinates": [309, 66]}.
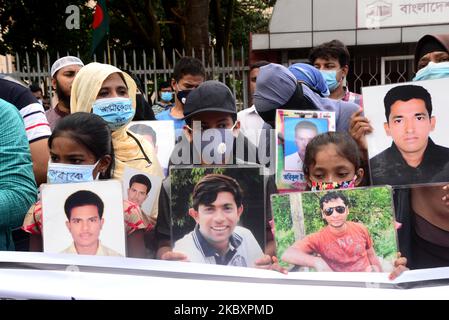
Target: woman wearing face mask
{"type": "Point", "coordinates": [432, 57]}
{"type": "Point", "coordinates": [104, 90]}
{"type": "Point", "coordinates": [81, 150]}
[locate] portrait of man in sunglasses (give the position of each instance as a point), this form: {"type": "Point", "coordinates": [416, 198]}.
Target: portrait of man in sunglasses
{"type": "Point", "coordinates": [340, 246]}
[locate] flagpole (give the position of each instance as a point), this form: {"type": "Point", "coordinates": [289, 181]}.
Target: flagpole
{"type": "Point", "coordinates": [108, 49]}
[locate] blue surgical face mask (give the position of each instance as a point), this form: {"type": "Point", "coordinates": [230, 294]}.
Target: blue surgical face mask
{"type": "Point", "coordinates": [117, 112]}
{"type": "Point", "coordinates": [330, 76]}
{"type": "Point", "coordinates": [166, 96]}
{"type": "Point", "coordinates": [433, 71]}
{"type": "Point", "coordinates": [70, 173]}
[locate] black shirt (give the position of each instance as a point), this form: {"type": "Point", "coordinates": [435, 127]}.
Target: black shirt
{"type": "Point", "coordinates": [389, 167]}
{"type": "Point", "coordinates": [419, 252]}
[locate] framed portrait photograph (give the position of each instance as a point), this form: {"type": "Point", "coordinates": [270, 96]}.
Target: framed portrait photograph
{"type": "Point", "coordinates": [345, 230]}
{"type": "Point", "coordinates": [409, 143]}
{"type": "Point", "coordinates": [294, 130]}
{"type": "Point", "coordinates": [218, 213]}
{"type": "Point", "coordinates": [141, 188]}
{"type": "Point", "coordinates": [84, 218]}
{"type": "Point", "coordinates": [161, 135]}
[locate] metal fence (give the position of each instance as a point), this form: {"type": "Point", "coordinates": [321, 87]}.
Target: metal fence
{"type": "Point", "coordinates": [373, 71]}
{"type": "Point", "coordinates": [35, 68]}
{"type": "Point", "coordinates": [364, 70]}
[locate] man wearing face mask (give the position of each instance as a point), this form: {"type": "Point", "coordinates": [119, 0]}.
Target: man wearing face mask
{"type": "Point", "coordinates": [332, 59]}
{"type": "Point", "coordinates": [210, 106]}
{"type": "Point", "coordinates": [188, 74]}
{"type": "Point", "coordinates": [432, 57]}
{"type": "Point", "coordinates": [165, 98]}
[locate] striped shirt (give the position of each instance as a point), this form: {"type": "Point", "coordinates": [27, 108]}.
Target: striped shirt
{"type": "Point", "coordinates": [353, 97]}
{"type": "Point", "coordinates": [32, 112]}
{"type": "Point", "coordinates": [17, 185]}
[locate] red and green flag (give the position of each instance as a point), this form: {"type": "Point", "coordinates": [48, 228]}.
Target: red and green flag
{"type": "Point", "coordinates": [100, 24]}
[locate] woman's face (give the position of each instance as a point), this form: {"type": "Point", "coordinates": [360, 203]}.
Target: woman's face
{"type": "Point", "coordinates": [113, 86]}
{"type": "Point", "coordinates": [68, 151]}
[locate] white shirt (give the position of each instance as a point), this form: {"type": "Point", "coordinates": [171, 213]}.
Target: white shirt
{"type": "Point", "coordinates": [101, 250]}
{"type": "Point", "coordinates": [293, 162]}
{"type": "Point", "coordinates": [245, 248]}
{"type": "Point", "coordinates": [251, 124]}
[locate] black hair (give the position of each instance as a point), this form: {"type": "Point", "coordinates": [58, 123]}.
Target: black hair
{"type": "Point", "coordinates": [143, 129]}
{"type": "Point", "coordinates": [142, 179]}
{"type": "Point", "coordinates": [89, 130]}
{"type": "Point", "coordinates": [258, 64]}
{"type": "Point", "coordinates": [34, 87]}
{"type": "Point", "coordinates": [83, 198]}
{"type": "Point", "coordinates": [164, 84]}
{"type": "Point", "coordinates": [188, 65]}
{"type": "Point", "coordinates": [306, 125]}
{"type": "Point", "coordinates": [345, 145]}
{"type": "Point", "coordinates": [334, 49]}
{"type": "Point", "coordinates": [406, 93]}
{"type": "Point", "coordinates": [207, 189]}
{"type": "Point", "coordinates": [333, 195]}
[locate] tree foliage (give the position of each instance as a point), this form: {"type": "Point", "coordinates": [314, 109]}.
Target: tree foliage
{"type": "Point", "coordinates": [151, 24]}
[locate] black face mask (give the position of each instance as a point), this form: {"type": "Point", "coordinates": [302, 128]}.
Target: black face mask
{"type": "Point", "coordinates": [182, 95]}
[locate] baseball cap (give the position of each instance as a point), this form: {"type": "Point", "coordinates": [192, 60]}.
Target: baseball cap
{"type": "Point", "coordinates": [64, 62]}
{"type": "Point", "coordinates": [211, 95]}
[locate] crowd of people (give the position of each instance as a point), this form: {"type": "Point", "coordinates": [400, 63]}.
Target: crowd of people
{"type": "Point", "coordinates": [86, 132]}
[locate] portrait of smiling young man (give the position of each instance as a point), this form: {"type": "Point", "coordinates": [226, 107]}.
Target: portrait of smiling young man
{"type": "Point", "coordinates": [217, 239]}
{"type": "Point", "coordinates": [412, 157]}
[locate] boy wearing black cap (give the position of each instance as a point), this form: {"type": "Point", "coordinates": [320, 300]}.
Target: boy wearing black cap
{"type": "Point", "coordinates": [210, 106]}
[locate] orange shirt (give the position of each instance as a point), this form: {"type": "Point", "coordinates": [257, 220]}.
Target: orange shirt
{"type": "Point", "coordinates": [344, 252]}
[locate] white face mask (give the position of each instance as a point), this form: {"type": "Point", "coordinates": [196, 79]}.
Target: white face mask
{"type": "Point", "coordinates": [70, 173]}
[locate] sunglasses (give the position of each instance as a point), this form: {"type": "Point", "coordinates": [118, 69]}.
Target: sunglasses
{"type": "Point", "coordinates": [329, 211]}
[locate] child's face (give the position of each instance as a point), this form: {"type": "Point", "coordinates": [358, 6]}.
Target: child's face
{"type": "Point", "coordinates": [331, 167]}
{"type": "Point", "coordinates": [218, 219]}
{"type": "Point", "coordinates": [68, 151]}
{"type": "Point", "coordinates": [331, 214]}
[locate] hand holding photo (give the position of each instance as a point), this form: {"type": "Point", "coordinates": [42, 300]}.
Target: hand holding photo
{"type": "Point", "coordinates": [222, 223]}
{"type": "Point", "coordinates": [294, 130]}
{"type": "Point", "coordinates": [84, 218]}
{"type": "Point", "coordinates": [409, 142]}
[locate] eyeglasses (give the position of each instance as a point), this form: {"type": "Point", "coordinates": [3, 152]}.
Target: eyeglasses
{"type": "Point", "coordinates": [329, 211]}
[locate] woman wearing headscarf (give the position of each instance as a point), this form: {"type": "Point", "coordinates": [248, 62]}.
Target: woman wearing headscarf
{"type": "Point", "coordinates": [311, 76]}
{"type": "Point", "coordinates": [432, 57]}
{"type": "Point", "coordinates": [111, 93]}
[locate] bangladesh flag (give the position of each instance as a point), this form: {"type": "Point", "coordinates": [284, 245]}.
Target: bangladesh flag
{"type": "Point", "coordinates": [100, 24]}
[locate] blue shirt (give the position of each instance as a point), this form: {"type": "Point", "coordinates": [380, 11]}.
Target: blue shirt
{"type": "Point", "coordinates": [179, 123]}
